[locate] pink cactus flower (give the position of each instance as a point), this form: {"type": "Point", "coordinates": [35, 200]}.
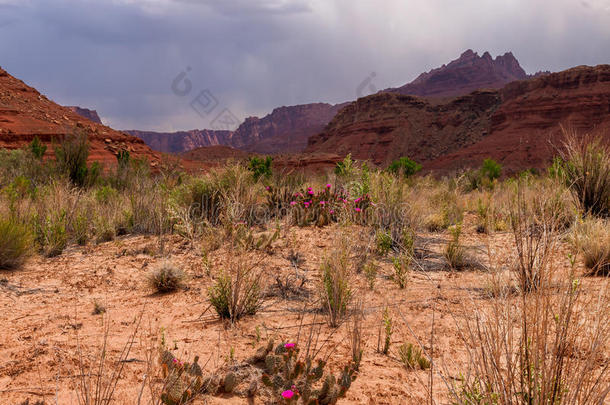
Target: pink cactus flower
{"type": "Point", "coordinates": [288, 394]}
{"type": "Point", "coordinates": [175, 361]}
{"type": "Point", "coordinates": [332, 211]}
{"type": "Point", "coordinates": [328, 186]}
{"type": "Point", "coordinates": [310, 192]}
{"type": "Point", "coordinates": [322, 202]}
{"type": "Point", "coordinates": [306, 203]}
{"type": "Point", "coordinates": [293, 203]}
{"type": "Point", "coordinates": [267, 188]}
{"type": "Point", "coordinates": [357, 200]}
{"type": "Point", "coordinates": [357, 209]}
{"type": "Point", "coordinates": [289, 346]}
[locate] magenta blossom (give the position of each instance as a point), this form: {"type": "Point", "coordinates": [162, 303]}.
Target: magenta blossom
{"type": "Point", "coordinates": [288, 394]}
{"type": "Point", "coordinates": [289, 346]}
{"type": "Point", "coordinates": [357, 209]}
{"type": "Point", "coordinates": [306, 203]}
{"type": "Point", "coordinates": [322, 202]}
{"type": "Point", "coordinates": [332, 211]}
{"type": "Point", "coordinates": [357, 200]}
{"type": "Point", "coordinates": [310, 192]}
{"type": "Point", "coordinates": [328, 186]}
{"type": "Point", "coordinates": [293, 202]}
{"type": "Point", "coordinates": [268, 188]}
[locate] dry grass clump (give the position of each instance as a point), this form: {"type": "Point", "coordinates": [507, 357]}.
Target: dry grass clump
{"type": "Point", "coordinates": [166, 277]}
{"type": "Point", "coordinates": [536, 217]}
{"type": "Point", "coordinates": [236, 292]}
{"type": "Point", "coordinates": [16, 244]}
{"type": "Point", "coordinates": [586, 171]}
{"type": "Point", "coordinates": [544, 347]}
{"type": "Point", "coordinates": [455, 253]}
{"type": "Point", "coordinates": [335, 284]}
{"type": "Point", "coordinates": [591, 237]}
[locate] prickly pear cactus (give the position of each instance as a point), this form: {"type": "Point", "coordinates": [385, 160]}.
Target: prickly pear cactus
{"type": "Point", "coordinates": [182, 380]}
{"type": "Point", "coordinates": [298, 381]}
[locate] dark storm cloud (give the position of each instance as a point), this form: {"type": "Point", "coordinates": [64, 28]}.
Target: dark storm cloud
{"type": "Point", "coordinates": [121, 56]}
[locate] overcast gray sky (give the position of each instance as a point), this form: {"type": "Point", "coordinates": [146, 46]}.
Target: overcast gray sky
{"type": "Point", "coordinates": [121, 56]}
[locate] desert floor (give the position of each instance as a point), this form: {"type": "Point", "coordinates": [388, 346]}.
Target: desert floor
{"type": "Point", "coordinates": [47, 313]}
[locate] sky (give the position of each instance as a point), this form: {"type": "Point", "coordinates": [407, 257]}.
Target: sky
{"type": "Point", "coordinates": [171, 65]}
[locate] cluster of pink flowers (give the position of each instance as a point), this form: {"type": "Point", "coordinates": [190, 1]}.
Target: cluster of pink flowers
{"type": "Point", "coordinates": [291, 393]}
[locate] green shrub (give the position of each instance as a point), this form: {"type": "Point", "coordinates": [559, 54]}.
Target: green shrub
{"type": "Point", "coordinates": [37, 148]}
{"type": "Point", "coordinates": [485, 177]}
{"type": "Point", "coordinates": [166, 277]}
{"type": "Point", "coordinates": [404, 166]}
{"type": "Point", "coordinates": [491, 170]}
{"type": "Point", "coordinates": [383, 240]}
{"type": "Point", "coordinates": [260, 167]}
{"type": "Point", "coordinates": [412, 358]}
{"type": "Point", "coordinates": [346, 167]}
{"type": "Point", "coordinates": [401, 269]}
{"type": "Point", "coordinates": [236, 293]}
{"type": "Point", "coordinates": [15, 244]}
{"type": "Point", "coordinates": [71, 158]}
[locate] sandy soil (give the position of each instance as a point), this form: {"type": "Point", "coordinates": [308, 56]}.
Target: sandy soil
{"type": "Point", "coordinates": [46, 314]}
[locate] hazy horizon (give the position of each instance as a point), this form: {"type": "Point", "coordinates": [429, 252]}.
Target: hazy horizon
{"type": "Point", "coordinates": [247, 57]}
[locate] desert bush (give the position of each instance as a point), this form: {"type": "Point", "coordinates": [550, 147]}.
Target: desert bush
{"type": "Point", "coordinates": [260, 167]}
{"type": "Point", "coordinates": [545, 347]}
{"type": "Point", "coordinates": [383, 242]}
{"type": "Point", "coordinates": [71, 158]}
{"type": "Point", "coordinates": [166, 277]}
{"type": "Point", "coordinates": [535, 217]}
{"type": "Point", "coordinates": [236, 292]}
{"type": "Point", "coordinates": [22, 162]}
{"type": "Point", "coordinates": [485, 177]}
{"type": "Point", "coordinates": [401, 269]}
{"type": "Point", "coordinates": [585, 168]}
{"type": "Point", "coordinates": [455, 253]}
{"type": "Point", "coordinates": [37, 148]}
{"type": "Point", "coordinates": [346, 167]}
{"type": "Point", "coordinates": [412, 358]}
{"type": "Point", "coordinates": [16, 243]}
{"type": "Point", "coordinates": [246, 238]}
{"type": "Point", "coordinates": [147, 211]}
{"type": "Point", "coordinates": [404, 166]}
{"type": "Point", "coordinates": [591, 237]}
{"type": "Point", "coordinates": [335, 284]}
{"type": "Point", "coordinates": [447, 209]}
{"type": "Point", "coordinates": [240, 195]}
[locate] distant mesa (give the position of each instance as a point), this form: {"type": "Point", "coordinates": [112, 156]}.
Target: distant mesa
{"type": "Point", "coordinates": [284, 130]}
{"type": "Point", "coordinates": [518, 125]}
